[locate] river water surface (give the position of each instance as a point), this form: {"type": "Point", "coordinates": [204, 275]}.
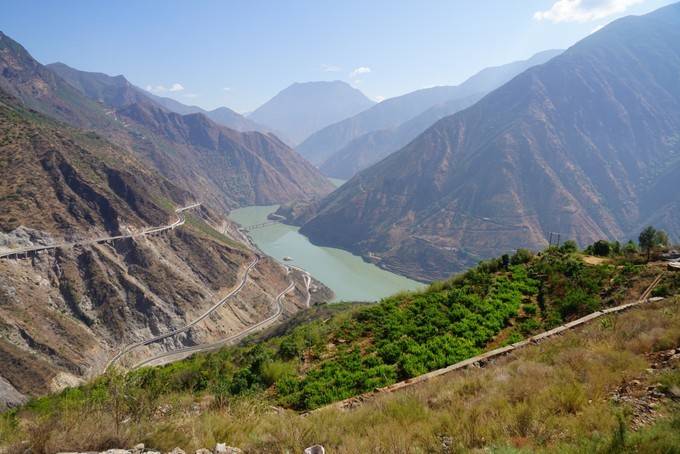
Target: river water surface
{"type": "Point", "coordinates": [346, 274]}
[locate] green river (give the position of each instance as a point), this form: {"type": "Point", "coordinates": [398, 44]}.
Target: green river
{"type": "Point", "coordinates": [346, 274]}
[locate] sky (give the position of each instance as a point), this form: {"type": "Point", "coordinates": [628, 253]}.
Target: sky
{"type": "Point", "coordinates": [241, 53]}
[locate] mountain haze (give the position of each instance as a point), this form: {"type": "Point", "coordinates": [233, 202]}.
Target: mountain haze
{"type": "Point", "coordinates": [586, 145]}
{"type": "Point", "coordinates": [366, 150]}
{"type": "Point", "coordinates": [303, 108]}
{"type": "Point", "coordinates": [348, 140]}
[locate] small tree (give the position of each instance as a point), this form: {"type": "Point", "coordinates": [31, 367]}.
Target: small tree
{"type": "Point", "coordinates": [521, 257]}
{"type": "Point", "coordinates": [601, 248]}
{"type": "Point", "coordinates": [569, 246]}
{"type": "Point", "coordinates": [506, 261]}
{"type": "Point", "coordinates": [650, 239]}
{"type": "Point", "coordinates": [630, 248]}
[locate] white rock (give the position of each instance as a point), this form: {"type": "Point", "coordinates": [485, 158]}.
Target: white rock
{"type": "Point", "coordinates": [177, 451]}
{"type": "Point", "coordinates": [222, 448]}
{"type": "Point", "coordinates": [316, 449]}
{"type": "Point", "coordinates": [203, 451]}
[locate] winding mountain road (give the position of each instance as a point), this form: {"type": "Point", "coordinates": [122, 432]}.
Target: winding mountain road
{"type": "Point", "coordinates": [189, 325]}
{"type": "Point", "coordinates": [308, 282]}
{"type": "Point", "coordinates": [18, 253]}
{"type": "Point", "coordinates": [184, 352]}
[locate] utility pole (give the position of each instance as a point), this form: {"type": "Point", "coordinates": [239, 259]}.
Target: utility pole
{"type": "Point", "coordinates": [554, 239]}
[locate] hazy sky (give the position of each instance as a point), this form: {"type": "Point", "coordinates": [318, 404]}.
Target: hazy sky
{"type": "Point", "coordinates": [241, 53]}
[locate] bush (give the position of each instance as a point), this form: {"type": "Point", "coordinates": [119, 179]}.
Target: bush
{"type": "Point", "coordinates": [521, 257]}
{"type": "Point", "coordinates": [601, 248]}
{"type": "Point", "coordinates": [569, 247]}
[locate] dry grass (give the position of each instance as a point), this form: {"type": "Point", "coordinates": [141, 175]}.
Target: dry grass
{"type": "Point", "coordinates": [593, 260]}
{"type": "Point", "coordinates": [550, 397]}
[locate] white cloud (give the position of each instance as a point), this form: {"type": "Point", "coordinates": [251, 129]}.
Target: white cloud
{"type": "Point", "coordinates": [330, 68]}
{"type": "Point", "coordinates": [163, 89]}
{"type": "Point", "coordinates": [583, 10]}
{"type": "Point", "coordinates": [361, 70]}
{"type": "Point", "coordinates": [227, 89]}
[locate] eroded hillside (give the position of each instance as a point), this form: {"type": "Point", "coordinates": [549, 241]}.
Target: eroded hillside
{"type": "Point", "coordinates": [68, 311]}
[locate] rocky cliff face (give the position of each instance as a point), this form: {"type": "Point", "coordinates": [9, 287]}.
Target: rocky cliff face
{"type": "Point", "coordinates": [586, 145]}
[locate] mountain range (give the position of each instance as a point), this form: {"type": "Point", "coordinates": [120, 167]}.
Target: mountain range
{"type": "Point", "coordinates": [372, 147]}
{"type": "Point", "coordinates": [229, 168]}
{"type": "Point", "coordinates": [117, 92]}
{"type": "Point", "coordinates": [303, 108]}
{"type": "Point", "coordinates": [372, 134]}
{"type": "Point", "coordinates": [586, 145]}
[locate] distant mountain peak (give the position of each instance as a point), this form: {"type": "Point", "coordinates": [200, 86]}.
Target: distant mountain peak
{"type": "Point", "coordinates": [305, 107]}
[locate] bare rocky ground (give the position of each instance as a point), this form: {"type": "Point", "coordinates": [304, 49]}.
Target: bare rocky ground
{"type": "Point", "coordinates": [645, 394]}
{"type": "Point", "coordinates": [64, 315]}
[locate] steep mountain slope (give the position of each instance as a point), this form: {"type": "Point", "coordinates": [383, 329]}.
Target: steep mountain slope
{"type": "Point", "coordinates": [171, 104]}
{"type": "Point", "coordinates": [54, 182]}
{"type": "Point", "coordinates": [227, 167]}
{"type": "Point", "coordinates": [303, 108]}
{"type": "Point", "coordinates": [230, 168]}
{"type": "Point", "coordinates": [392, 113]}
{"type": "Point", "coordinates": [65, 313]}
{"type": "Point", "coordinates": [586, 145]}
{"type": "Point", "coordinates": [39, 88]}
